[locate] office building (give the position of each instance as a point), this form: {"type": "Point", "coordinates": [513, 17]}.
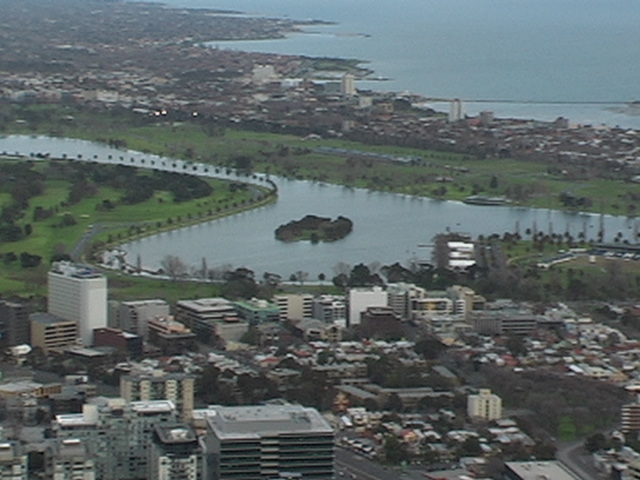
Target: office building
{"type": "Point", "coordinates": [294, 306]}
{"type": "Point", "coordinates": [78, 293]}
{"type": "Point", "coordinates": [68, 459]}
{"type": "Point", "coordinates": [256, 311]}
{"type": "Point", "coordinates": [211, 319]}
{"type": "Point", "coordinates": [348, 85]}
{"type": "Point", "coordinates": [134, 316]}
{"type": "Point", "coordinates": [13, 461]}
{"type": "Point", "coordinates": [538, 470]}
{"type": "Point", "coordinates": [380, 323]}
{"type": "Point", "coordinates": [159, 385]}
{"type": "Point", "coordinates": [362, 298]}
{"type": "Point", "coordinates": [263, 442]}
{"type": "Point", "coordinates": [401, 295]}
{"type": "Point", "coordinates": [484, 406]}
{"type": "Point", "coordinates": [330, 309]}
{"type": "Point", "coordinates": [505, 322]}
{"type": "Point", "coordinates": [51, 332]}
{"type": "Point", "coordinates": [126, 343]}
{"type": "Point", "coordinates": [456, 110]}
{"type": "Point", "coordinates": [14, 324]}
{"type": "Point", "coordinates": [116, 434]}
{"type": "Point", "coordinates": [175, 453]}
{"type": "Point", "coordinates": [171, 337]}
{"type": "Point", "coordinates": [631, 416]}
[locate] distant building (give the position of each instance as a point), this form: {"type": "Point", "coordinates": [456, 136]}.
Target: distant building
{"type": "Point", "coordinates": [69, 459]}
{"type": "Point", "coordinates": [157, 385]}
{"type": "Point", "coordinates": [484, 406]}
{"type": "Point", "coordinates": [134, 316]}
{"type": "Point", "coordinates": [456, 110]}
{"type": "Point", "coordinates": [401, 297]}
{"type": "Point", "coordinates": [294, 306]}
{"type": "Point", "coordinates": [211, 319]}
{"type": "Point", "coordinates": [263, 442]}
{"type": "Point", "coordinates": [538, 470]}
{"type": "Point", "coordinates": [330, 309]}
{"type": "Point", "coordinates": [362, 298]}
{"type": "Point", "coordinates": [170, 336]}
{"type": "Point", "coordinates": [256, 311]}
{"type": "Point", "coordinates": [348, 85]}
{"type": "Point", "coordinates": [13, 461]}
{"type": "Point", "coordinates": [175, 453]}
{"type": "Point", "coordinates": [78, 293]}
{"type": "Point", "coordinates": [50, 332]}
{"type": "Point", "coordinates": [631, 417]}
{"type": "Point", "coordinates": [116, 434]}
{"type": "Point", "coordinates": [380, 323]}
{"type": "Point", "coordinates": [505, 322]}
{"type": "Point", "coordinates": [14, 324]}
{"type": "Point", "coordinates": [128, 343]}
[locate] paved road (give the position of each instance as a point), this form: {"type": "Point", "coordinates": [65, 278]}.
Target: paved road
{"type": "Point", "coordinates": [579, 462]}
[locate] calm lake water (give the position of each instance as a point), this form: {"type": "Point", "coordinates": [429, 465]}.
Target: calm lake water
{"type": "Point", "coordinates": [388, 228]}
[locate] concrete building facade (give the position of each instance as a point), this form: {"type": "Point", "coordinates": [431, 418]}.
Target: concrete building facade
{"type": "Point", "coordinates": [294, 306]}
{"type": "Point", "coordinates": [50, 331]}
{"type": "Point", "coordinates": [484, 406]}
{"type": "Point", "coordinates": [78, 293]}
{"type": "Point", "coordinates": [362, 298]}
{"type": "Point", "coordinates": [263, 442]}
{"type": "Point", "coordinates": [175, 453]}
{"type": "Point", "coordinates": [177, 388]}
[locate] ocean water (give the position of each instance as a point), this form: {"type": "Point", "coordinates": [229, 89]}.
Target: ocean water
{"type": "Point", "coordinates": [520, 58]}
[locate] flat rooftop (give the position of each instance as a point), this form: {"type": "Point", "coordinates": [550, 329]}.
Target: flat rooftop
{"type": "Point", "coordinates": [266, 420]}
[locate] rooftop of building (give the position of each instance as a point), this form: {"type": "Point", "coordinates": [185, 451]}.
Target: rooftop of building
{"type": "Point", "coordinates": [536, 470]}
{"type": "Point", "coordinates": [206, 304]}
{"type": "Point", "coordinates": [74, 270]}
{"type": "Point", "coordinates": [175, 434]}
{"type": "Point", "coordinates": [45, 318]}
{"type": "Point", "coordinates": [266, 420]}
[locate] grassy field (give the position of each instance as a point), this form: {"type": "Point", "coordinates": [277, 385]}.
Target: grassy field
{"type": "Point", "coordinates": [124, 222]}
{"type": "Point", "coordinates": [438, 174]}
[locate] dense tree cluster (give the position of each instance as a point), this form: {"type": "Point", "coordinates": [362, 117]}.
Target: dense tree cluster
{"type": "Point", "coordinates": [317, 229]}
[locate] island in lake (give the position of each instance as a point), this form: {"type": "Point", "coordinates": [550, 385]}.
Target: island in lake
{"type": "Point", "coordinates": [316, 229]}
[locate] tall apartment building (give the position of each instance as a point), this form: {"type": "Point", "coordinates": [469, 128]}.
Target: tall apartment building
{"type": "Point", "coordinates": [50, 331]}
{"type": "Point", "coordinates": [13, 461]}
{"type": "Point", "coordinates": [175, 453]}
{"type": "Point", "coordinates": [14, 324]}
{"type": "Point", "coordinates": [294, 306]}
{"type": "Point", "coordinates": [134, 316]}
{"type": "Point", "coordinates": [401, 295]}
{"type": "Point", "coordinates": [484, 406]}
{"type": "Point", "coordinates": [330, 309]}
{"type": "Point", "coordinates": [116, 434]}
{"type": "Point", "coordinates": [262, 442]}
{"type": "Point", "coordinates": [158, 385]}
{"type": "Point", "coordinates": [631, 416]}
{"type": "Point", "coordinates": [69, 459]}
{"type": "Point", "coordinates": [362, 298]}
{"type": "Point", "coordinates": [78, 293]}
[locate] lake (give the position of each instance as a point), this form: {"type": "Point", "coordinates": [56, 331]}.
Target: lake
{"type": "Point", "coordinates": [388, 227]}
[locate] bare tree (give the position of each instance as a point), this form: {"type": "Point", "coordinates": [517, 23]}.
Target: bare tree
{"type": "Point", "coordinates": [174, 267]}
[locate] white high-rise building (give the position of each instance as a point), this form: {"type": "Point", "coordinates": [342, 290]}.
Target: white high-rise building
{"type": "Point", "coordinates": [456, 110]}
{"type": "Point", "coordinates": [348, 85]}
{"type": "Point", "coordinates": [78, 293]}
{"type": "Point", "coordinates": [485, 405]}
{"type": "Point", "coordinates": [362, 298]}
